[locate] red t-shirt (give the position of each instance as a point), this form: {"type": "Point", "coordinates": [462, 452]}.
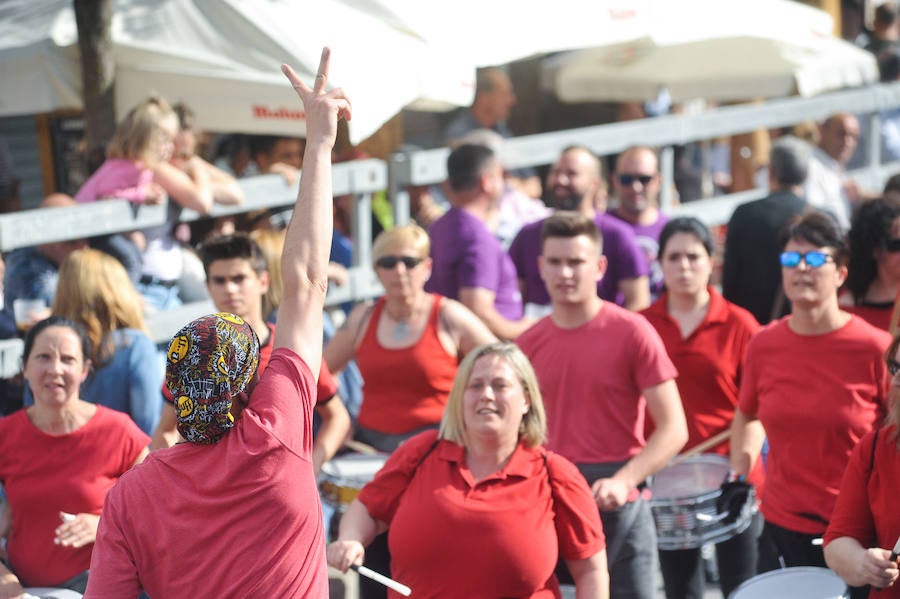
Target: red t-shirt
{"type": "Point", "coordinates": [240, 518]}
{"type": "Point", "coordinates": [47, 474]}
{"type": "Point", "coordinates": [501, 537]}
{"type": "Point", "coordinates": [816, 396]}
{"type": "Point", "coordinates": [592, 379]}
{"type": "Point", "coordinates": [866, 508]}
{"type": "Point", "coordinates": [427, 372]}
{"type": "Point", "coordinates": [326, 386]}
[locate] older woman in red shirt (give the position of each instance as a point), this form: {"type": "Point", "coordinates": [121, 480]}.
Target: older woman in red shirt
{"type": "Point", "coordinates": [480, 509]}
{"type": "Point", "coordinates": [410, 332]}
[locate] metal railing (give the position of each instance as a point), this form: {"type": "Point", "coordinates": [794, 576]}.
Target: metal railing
{"type": "Point", "coordinates": [365, 177]}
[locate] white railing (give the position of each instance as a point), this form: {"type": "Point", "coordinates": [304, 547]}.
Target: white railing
{"type": "Point", "coordinates": [365, 177]}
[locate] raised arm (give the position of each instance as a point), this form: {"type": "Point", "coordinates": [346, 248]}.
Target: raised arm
{"type": "Point", "coordinates": [304, 261]}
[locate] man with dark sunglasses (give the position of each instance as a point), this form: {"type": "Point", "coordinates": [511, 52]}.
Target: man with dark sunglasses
{"type": "Point", "coordinates": [573, 183]}
{"type": "Point", "coordinates": [636, 187]}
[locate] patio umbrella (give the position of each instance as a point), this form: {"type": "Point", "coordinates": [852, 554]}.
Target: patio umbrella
{"type": "Point", "coordinates": [222, 58]}
{"type": "Point", "coordinates": [722, 50]}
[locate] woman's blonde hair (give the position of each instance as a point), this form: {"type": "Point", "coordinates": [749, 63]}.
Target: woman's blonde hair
{"type": "Point", "coordinates": [140, 134]}
{"type": "Point", "coordinates": [95, 291]}
{"type": "Point", "coordinates": [400, 236]}
{"type": "Point", "coordinates": [271, 242]}
{"type": "Point", "coordinates": [533, 429]}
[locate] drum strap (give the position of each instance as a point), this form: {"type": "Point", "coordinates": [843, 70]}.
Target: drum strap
{"type": "Point", "coordinates": [549, 476]}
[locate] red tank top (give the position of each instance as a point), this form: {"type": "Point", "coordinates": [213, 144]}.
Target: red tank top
{"type": "Point", "coordinates": [405, 389]}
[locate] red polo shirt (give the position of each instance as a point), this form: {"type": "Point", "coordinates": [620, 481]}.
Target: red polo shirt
{"type": "Point", "coordinates": [709, 363]}
{"type": "Point", "coordinates": [499, 537]}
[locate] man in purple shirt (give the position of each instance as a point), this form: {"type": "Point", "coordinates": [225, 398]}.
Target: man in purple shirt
{"type": "Point", "coordinates": [469, 263]}
{"type": "Point", "coordinates": [636, 186]}
{"type": "Point", "coordinates": [572, 184]}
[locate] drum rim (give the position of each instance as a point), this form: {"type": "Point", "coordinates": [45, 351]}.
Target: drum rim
{"type": "Point", "coordinates": [703, 458]}
{"type": "Point", "coordinates": [791, 570]}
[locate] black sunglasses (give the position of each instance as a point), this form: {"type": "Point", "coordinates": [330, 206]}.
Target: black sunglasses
{"type": "Point", "coordinates": [893, 367]}
{"type": "Point", "coordinates": [629, 179]}
{"type": "Point", "coordinates": [389, 262]}
{"type": "Point", "coordinates": [892, 245]}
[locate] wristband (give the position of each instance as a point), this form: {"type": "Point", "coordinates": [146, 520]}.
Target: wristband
{"type": "Point", "coordinates": [734, 477]}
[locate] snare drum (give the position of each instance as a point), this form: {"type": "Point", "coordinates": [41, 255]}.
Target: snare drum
{"type": "Point", "coordinates": [684, 504]}
{"type": "Point", "coordinates": [343, 477]}
{"type": "Point", "coordinates": [803, 582]}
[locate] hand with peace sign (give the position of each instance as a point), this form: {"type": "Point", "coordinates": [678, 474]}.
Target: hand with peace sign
{"type": "Point", "coordinates": [323, 108]}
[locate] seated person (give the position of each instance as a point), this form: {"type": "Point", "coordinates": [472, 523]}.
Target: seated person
{"type": "Point", "coordinates": [32, 272]}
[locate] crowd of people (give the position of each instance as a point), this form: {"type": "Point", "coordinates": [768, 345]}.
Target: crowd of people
{"type": "Point", "coordinates": [525, 375]}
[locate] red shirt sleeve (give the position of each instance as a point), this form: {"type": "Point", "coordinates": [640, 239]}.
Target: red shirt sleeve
{"type": "Point", "coordinates": [852, 515]}
{"type": "Point", "coordinates": [327, 385]}
{"type": "Point", "coordinates": [578, 525]}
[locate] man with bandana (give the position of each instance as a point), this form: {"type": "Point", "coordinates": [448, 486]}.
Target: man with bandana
{"type": "Point", "coordinates": [234, 511]}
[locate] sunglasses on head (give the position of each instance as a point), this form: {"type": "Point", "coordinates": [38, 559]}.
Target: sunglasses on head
{"type": "Point", "coordinates": [389, 262]}
{"type": "Point", "coordinates": [630, 178]}
{"type": "Point", "coordinates": [893, 367]}
{"type": "Point", "coordinates": [892, 245]}
{"type": "Point", "coordinates": [812, 259]}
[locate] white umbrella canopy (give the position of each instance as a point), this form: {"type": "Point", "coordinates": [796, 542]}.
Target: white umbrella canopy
{"type": "Point", "coordinates": [222, 58]}
{"type": "Point", "coordinates": [722, 50]}
{"type": "Point", "coordinates": [496, 32]}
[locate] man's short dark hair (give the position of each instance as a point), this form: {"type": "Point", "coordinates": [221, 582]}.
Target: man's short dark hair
{"type": "Point", "coordinates": [466, 164]}
{"type": "Point", "coordinates": [789, 160]}
{"type": "Point", "coordinates": [886, 14]}
{"type": "Point", "coordinates": [227, 247]}
{"type": "Point", "coordinates": [567, 225]}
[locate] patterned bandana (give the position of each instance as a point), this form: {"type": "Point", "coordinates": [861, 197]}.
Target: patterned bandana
{"type": "Point", "coordinates": [210, 361]}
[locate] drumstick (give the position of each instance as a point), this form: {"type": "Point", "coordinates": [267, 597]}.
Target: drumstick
{"type": "Point", "coordinates": [388, 582]}
{"type": "Point", "coordinates": [360, 447]}
{"type": "Point", "coordinates": [701, 447]}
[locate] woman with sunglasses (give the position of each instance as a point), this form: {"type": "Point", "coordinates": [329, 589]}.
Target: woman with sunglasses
{"type": "Point", "coordinates": [816, 381]}
{"type": "Point", "coordinates": [860, 543]}
{"type": "Point", "coordinates": [706, 337]}
{"type": "Point", "coordinates": [873, 280]}
{"type": "Point", "coordinates": [407, 344]}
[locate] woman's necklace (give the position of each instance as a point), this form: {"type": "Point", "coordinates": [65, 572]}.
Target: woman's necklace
{"type": "Point", "coordinates": [401, 327]}
{"type": "Point", "coordinates": [400, 330]}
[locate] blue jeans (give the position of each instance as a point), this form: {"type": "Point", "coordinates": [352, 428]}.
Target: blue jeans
{"type": "Point", "coordinates": [159, 297]}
